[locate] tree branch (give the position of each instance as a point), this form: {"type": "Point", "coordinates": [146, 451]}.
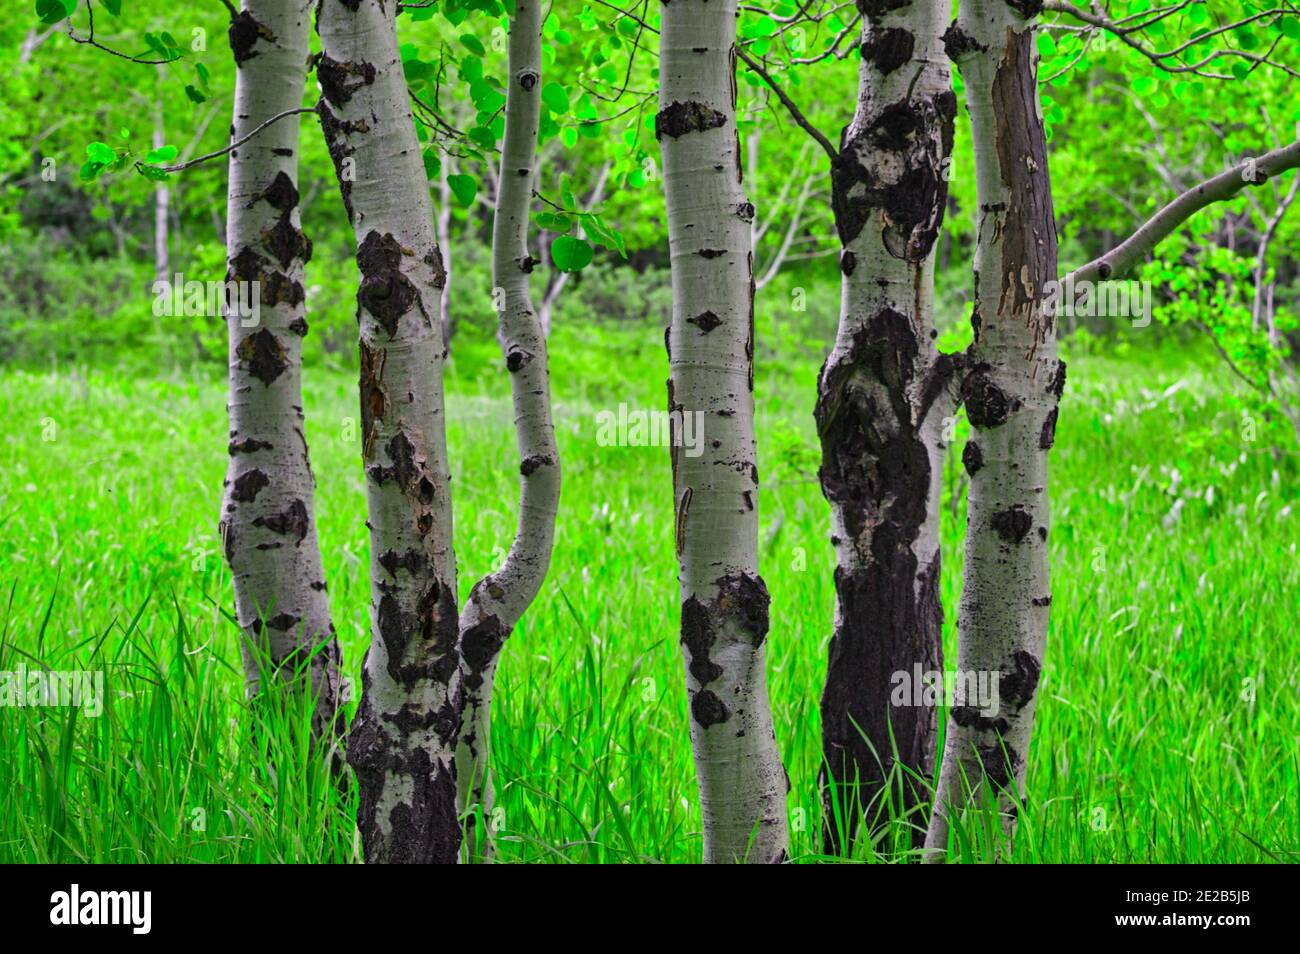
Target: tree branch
{"type": "Point", "coordinates": [180, 167]}
{"type": "Point", "coordinates": [786, 101]}
{"type": "Point", "coordinates": [1225, 185]}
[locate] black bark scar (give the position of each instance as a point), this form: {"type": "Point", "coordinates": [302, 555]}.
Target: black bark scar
{"type": "Point", "coordinates": [678, 119]}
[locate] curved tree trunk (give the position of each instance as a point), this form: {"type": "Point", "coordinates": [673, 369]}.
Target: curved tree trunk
{"type": "Point", "coordinates": [402, 743]}
{"type": "Point", "coordinates": [882, 399]}
{"type": "Point", "coordinates": [1011, 391]}
{"type": "Point", "coordinates": [267, 516]}
{"type": "Point", "coordinates": [724, 620]}
{"type": "Point", "coordinates": [498, 600]}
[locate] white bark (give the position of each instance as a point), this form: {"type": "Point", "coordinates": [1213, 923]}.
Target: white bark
{"type": "Point", "coordinates": [1011, 393]}
{"type": "Point", "coordinates": [444, 243]}
{"type": "Point", "coordinates": [267, 515]}
{"type": "Point", "coordinates": [402, 742]}
{"type": "Point", "coordinates": [883, 397]}
{"type": "Point", "coordinates": [498, 601]}
{"type": "Point", "coordinates": [724, 621]}
{"type": "Point", "coordinates": [161, 204]}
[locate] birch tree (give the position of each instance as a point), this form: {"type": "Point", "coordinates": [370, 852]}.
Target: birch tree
{"type": "Point", "coordinates": [1011, 390]}
{"type": "Point", "coordinates": [724, 615]}
{"type": "Point", "coordinates": [1013, 383]}
{"type": "Point", "coordinates": [885, 395]}
{"type": "Point", "coordinates": [883, 398]}
{"type": "Point", "coordinates": [267, 515]}
{"type": "Point", "coordinates": [498, 600]}
{"type": "Point", "coordinates": [402, 742]}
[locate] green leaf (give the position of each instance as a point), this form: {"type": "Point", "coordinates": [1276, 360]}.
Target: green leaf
{"type": "Point", "coordinates": [101, 153]}
{"type": "Point", "coordinates": [603, 234]}
{"type": "Point", "coordinates": [163, 154]}
{"type": "Point", "coordinates": [483, 136]}
{"type": "Point", "coordinates": [471, 69]}
{"type": "Point", "coordinates": [555, 96]}
{"type": "Point", "coordinates": [153, 173]}
{"type": "Point", "coordinates": [432, 164]}
{"type": "Point", "coordinates": [195, 96]}
{"type": "Point", "coordinates": [553, 221]}
{"type": "Point", "coordinates": [90, 170]}
{"type": "Point", "coordinates": [463, 187]}
{"type": "Point", "coordinates": [1290, 27]}
{"type": "Point", "coordinates": [569, 136]}
{"type": "Point", "coordinates": [417, 70]}
{"type": "Point", "coordinates": [471, 43]}
{"type": "Point", "coordinates": [486, 97]}
{"type": "Point", "coordinates": [52, 11]}
{"type": "Point", "coordinates": [1144, 85]}
{"type": "Point", "coordinates": [113, 6]}
{"type": "Point", "coordinates": [571, 254]}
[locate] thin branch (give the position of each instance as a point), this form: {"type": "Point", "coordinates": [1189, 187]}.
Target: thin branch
{"type": "Point", "coordinates": [1262, 389]}
{"type": "Point", "coordinates": [89, 39]}
{"type": "Point", "coordinates": [1225, 185]}
{"type": "Point", "coordinates": [789, 104]}
{"type": "Point", "coordinates": [180, 167]}
{"type": "Point", "coordinates": [1169, 60]}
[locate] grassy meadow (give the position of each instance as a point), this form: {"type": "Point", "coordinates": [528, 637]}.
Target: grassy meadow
{"type": "Point", "coordinates": [1167, 721]}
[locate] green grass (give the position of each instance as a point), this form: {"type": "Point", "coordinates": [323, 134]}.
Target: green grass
{"type": "Point", "coordinates": [1146, 747]}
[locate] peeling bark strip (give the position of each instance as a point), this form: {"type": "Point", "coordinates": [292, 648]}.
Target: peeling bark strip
{"type": "Point", "coordinates": [1011, 394]}
{"type": "Point", "coordinates": [882, 397]}
{"type": "Point", "coordinates": [267, 512]}
{"type": "Point", "coordinates": [724, 602]}
{"type": "Point", "coordinates": [403, 739]}
{"type": "Point", "coordinates": [498, 601]}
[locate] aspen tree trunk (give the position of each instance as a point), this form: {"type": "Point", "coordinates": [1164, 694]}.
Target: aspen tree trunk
{"type": "Point", "coordinates": [883, 397]}
{"type": "Point", "coordinates": [402, 743]}
{"type": "Point", "coordinates": [444, 243]}
{"type": "Point", "coordinates": [162, 195]}
{"type": "Point", "coordinates": [499, 599]}
{"type": "Point", "coordinates": [1011, 391]}
{"type": "Point", "coordinates": [267, 514]}
{"type": "Point", "coordinates": [724, 619]}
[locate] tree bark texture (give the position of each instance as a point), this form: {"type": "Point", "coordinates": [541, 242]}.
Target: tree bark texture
{"type": "Point", "coordinates": [724, 613]}
{"type": "Point", "coordinates": [267, 514]}
{"type": "Point", "coordinates": [402, 742]}
{"type": "Point", "coordinates": [883, 396]}
{"type": "Point", "coordinates": [1011, 390]}
{"type": "Point", "coordinates": [498, 600]}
